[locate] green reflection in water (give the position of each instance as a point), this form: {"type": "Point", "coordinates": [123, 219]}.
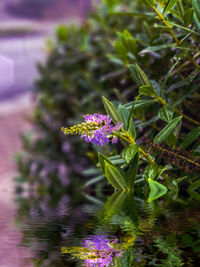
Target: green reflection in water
{"type": "Point", "coordinates": [147, 234]}
{"type": "Point", "coordinates": [119, 230]}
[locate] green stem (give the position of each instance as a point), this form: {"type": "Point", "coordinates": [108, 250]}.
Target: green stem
{"type": "Point", "coordinates": [163, 20]}
{"type": "Point", "coordinates": [130, 140]}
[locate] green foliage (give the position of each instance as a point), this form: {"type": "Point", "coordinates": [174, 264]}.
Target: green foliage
{"type": "Point", "coordinates": [149, 51]}
{"type": "Point", "coordinates": [111, 110]}
{"type": "Point", "coordinates": [165, 132]}
{"type": "Point", "coordinates": [170, 249]}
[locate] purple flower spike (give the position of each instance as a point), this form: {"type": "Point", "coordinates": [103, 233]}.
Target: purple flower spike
{"type": "Point", "coordinates": [104, 133]}
{"type": "Point", "coordinates": [97, 129]}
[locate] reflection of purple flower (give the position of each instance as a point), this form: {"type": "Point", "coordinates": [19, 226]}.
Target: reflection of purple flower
{"type": "Point", "coordinates": [103, 250]}
{"type": "Point", "coordinates": [97, 129]}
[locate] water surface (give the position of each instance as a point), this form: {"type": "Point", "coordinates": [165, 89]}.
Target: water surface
{"type": "Point", "coordinates": [119, 230]}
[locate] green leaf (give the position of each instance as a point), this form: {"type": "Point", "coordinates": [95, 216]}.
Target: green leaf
{"type": "Point", "coordinates": [169, 5]}
{"type": "Point", "coordinates": [147, 90]}
{"type": "Point", "coordinates": [155, 48]}
{"type": "Point", "coordinates": [132, 171]}
{"type": "Point", "coordinates": [129, 42]}
{"type": "Point", "coordinates": [150, 172]}
{"type": "Point", "coordinates": [165, 132]}
{"type": "Point", "coordinates": [196, 6]}
{"type": "Point", "coordinates": [129, 152]}
{"type": "Point", "coordinates": [111, 110]}
{"type": "Point", "coordinates": [197, 22]}
{"type": "Point", "coordinates": [190, 138]}
{"type": "Point", "coordinates": [95, 180]}
{"type": "Point", "coordinates": [120, 50]}
{"type": "Point", "coordinates": [131, 128]}
{"type": "Point", "coordinates": [142, 76]}
{"type": "Point", "coordinates": [150, 3]}
{"type": "Point", "coordinates": [62, 33]}
{"type": "Point", "coordinates": [138, 75]}
{"type": "Point", "coordinates": [141, 103]}
{"type": "Point", "coordinates": [124, 115]}
{"type": "Point", "coordinates": [166, 114]}
{"type": "Point", "coordinates": [114, 177]}
{"type": "Point", "coordinates": [157, 190]}
{"type": "Point", "coordinates": [102, 160]}
{"type": "Point", "coordinates": [134, 74]}
{"type": "Point", "coordinates": [188, 16]}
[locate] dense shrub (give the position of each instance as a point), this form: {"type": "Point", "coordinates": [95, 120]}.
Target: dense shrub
{"type": "Point", "coordinates": [142, 51]}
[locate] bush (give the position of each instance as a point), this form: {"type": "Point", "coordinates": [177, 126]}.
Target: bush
{"type": "Point", "coordinates": [144, 56]}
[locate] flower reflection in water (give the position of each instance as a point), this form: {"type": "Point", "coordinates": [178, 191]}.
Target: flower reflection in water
{"type": "Point", "coordinates": [102, 250]}
{"type": "Point", "coordinates": [97, 250]}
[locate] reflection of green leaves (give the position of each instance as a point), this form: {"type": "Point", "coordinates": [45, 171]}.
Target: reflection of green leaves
{"type": "Point", "coordinates": [170, 248]}
{"type": "Point", "coordinates": [114, 203]}
{"type": "Point", "coordinates": [114, 177]}
{"type": "Point", "coordinates": [111, 110]}
{"type": "Point", "coordinates": [192, 188]}
{"type": "Point", "coordinates": [129, 152]}
{"type": "Point", "coordinates": [165, 132]}
{"type": "Point", "coordinates": [157, 190]}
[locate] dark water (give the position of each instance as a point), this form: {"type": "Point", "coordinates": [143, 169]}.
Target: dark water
{"type": "Point", "coordinates": [119, 230]}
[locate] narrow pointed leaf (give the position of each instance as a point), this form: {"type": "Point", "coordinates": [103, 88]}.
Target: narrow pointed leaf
{"type": "Point", "coordinates": [188, 16]}
{"type": "Point", "coordinates": [169, 5]}
{"type": "Point", "coordinates": [102, 160]}
{"type": "Point", "coordinates": [197, 23]}
{"type": "Point", "coordinates": [165, 132]}
{"type": "Point", "coordinates": [114, 177]}
{"type": "Point", "coordinates": [124, 114]}
{"type": "Point", "coordinates": [196, 6]}
{"type": "Point", "coordinates": [142, 76]}
{"type": "Point", "coordinates": [134, 74]}
{"type": "Point", "coordinates": [191, 137]}
{"type": "Point", "coordinates": [111, 110]}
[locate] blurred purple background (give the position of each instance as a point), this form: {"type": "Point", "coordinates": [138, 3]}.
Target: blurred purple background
{"type": "Point", "coordinates": [25, 26]}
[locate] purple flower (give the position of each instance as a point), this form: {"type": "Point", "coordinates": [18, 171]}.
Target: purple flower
{"type": "Point", "coordinates": [97, 129]}
{"type": "Point", "coordinates": [103, 250]}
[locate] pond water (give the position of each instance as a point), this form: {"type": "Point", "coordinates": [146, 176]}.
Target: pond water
{"type": "Point", "coordinates": [115, 230]}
